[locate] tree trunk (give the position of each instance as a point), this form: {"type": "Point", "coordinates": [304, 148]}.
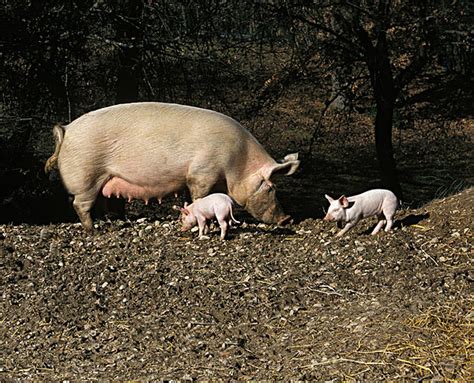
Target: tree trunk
{"type": "Point", "coordinates": [384, 148]}
{"type": "Point", "coordinates": [385, 95]}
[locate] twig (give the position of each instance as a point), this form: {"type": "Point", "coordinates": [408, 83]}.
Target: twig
{"type": "Point", "coordinates": [317, 129]}
{"type": "Point", "coordinates": [342, 360]}
{"type": "Point", "coordinates": [67, 93]}
{"type": "Point", "coordinates": [333, 290]}
{"type": "Point", "coordinates": [429, 256]}
{"type": "Point", "coordinates": [8, 119]}
{"type": "Point", "coordinates": [415, 364]}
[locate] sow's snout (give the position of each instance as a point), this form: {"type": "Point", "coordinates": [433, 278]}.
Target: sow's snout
{"type": "Point", "coordinates": [285, 221]}
{"type": "Point", "coordinates": [264, 206]}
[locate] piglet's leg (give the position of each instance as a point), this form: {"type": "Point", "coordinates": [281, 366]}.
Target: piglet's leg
{"type": "Point", "coordinates": [348, 226]}
{"type": "Point", "coordinates": [202, 226]}
{"type": "Point", "coordinates": [379, 225]}
{"type": "Point", "coordinates": [389, 223]}
{"type": "Point", "coordinates": [223, 225]}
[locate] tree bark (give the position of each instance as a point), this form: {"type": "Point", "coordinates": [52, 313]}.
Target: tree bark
{"type": "Point", "coordinates": [385, 94]}
{"type": "Point", "coordinates": [384, 148]}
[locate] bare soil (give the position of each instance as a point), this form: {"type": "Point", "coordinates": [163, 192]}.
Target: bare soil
{"type": "Point", "coordinates": [141, 301]}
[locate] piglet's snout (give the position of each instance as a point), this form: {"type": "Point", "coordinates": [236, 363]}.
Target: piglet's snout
{"type": "Point", "coordinates": [328, 217]}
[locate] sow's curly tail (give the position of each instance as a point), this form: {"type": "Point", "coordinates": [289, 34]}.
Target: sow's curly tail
{"type": "Point", "coordinates": [52, 162]}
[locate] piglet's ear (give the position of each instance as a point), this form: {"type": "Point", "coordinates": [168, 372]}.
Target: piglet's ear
{"type": "Point", "coordinates": [329, 198]}
{"type": "Point", "coordinates": [185, 204]}
{"type": "Point", "coordinates": [343, 201]}
{"type": "Point", "coordinates": [184, 211]}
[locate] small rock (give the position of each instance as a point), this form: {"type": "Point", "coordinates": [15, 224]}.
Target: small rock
{"type": "Point", "coordinates": [44, 234]}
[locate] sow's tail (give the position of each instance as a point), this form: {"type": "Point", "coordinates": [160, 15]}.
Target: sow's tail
{"type": "Point", "coordinates": [52, 163]}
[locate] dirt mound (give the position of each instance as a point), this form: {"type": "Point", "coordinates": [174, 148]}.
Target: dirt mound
{"type": "Point", "coordinates": [140, 300]}
{"type": "Point", "coordinates": [453, 214]}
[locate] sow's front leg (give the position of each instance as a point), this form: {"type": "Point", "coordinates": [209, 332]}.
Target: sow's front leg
{"type": "Point", "coordinates": [201, 186]}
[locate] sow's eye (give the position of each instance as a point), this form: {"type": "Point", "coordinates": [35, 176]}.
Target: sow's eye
{"type": "Point", "coordinates": [266, 186]}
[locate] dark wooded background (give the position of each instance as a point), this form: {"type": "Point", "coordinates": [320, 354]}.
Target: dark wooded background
{"type": "Point", "coordinates": [377, 58]}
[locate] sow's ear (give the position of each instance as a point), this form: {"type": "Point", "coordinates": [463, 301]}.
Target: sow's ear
{"type": "Point", "coordinates": [287, 167]}
{"type": "Point", "coordinates": [290, 157]}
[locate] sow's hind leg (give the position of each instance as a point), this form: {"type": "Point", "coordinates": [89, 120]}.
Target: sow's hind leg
{"type": "Point", "coordinates": [83, 203]}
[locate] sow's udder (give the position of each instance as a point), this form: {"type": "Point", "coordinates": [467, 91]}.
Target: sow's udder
{"type": "Point", "coordinates": [121, 188]}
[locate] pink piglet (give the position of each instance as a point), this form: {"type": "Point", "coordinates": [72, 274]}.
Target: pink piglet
{"type": "Point", "coordinates": [350, 210]}
{"type": "Point", "coordinates": [215, 205]}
